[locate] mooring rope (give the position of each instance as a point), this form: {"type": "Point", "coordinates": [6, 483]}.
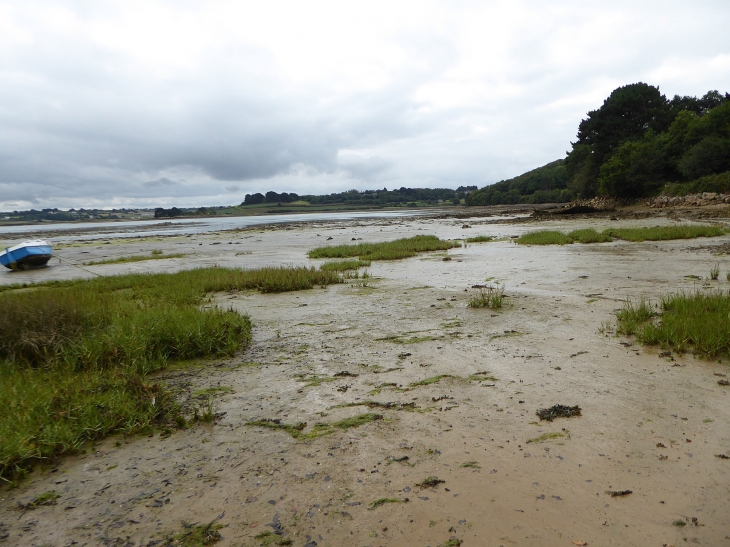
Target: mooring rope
{"type": "Point", "coordinates": [76, 265]}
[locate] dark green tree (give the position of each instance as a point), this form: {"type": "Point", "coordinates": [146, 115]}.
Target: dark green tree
{"type": "Point", "coordinates": [626, 114]}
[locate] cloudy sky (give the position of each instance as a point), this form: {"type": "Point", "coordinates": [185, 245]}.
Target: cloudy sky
{"type": "Point", "coordinates": [189, 103]}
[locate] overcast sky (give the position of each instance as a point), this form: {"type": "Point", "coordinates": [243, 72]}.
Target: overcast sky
{"type": "Point", "coordinates": [190, 103]}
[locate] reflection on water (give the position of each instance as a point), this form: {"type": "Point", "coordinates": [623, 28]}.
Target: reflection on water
{"type": "Point", "coordinates": [138, 228]}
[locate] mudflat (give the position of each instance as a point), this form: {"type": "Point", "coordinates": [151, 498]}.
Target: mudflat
{"type": "Point", "coordinates": [432, 434]}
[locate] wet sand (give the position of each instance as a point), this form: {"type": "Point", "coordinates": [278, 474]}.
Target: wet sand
{"type": "Point", "coordinates": [651, 424]}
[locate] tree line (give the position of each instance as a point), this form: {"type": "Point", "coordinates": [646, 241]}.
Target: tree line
{"type": "Point", "coordinates": [384, 197]}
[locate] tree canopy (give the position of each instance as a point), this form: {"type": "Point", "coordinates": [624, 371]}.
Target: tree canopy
{"type": "Point", "coordinates": [638, 141]}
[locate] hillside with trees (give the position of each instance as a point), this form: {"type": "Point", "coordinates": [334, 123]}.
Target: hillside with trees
{"type": "Point", "coordinates": [637, 144]}
{"type": "Point", "coordinates": [546, 184]}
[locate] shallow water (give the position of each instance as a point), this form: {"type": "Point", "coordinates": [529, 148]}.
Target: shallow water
{"type": "Point", "coordinates": [138, 228]}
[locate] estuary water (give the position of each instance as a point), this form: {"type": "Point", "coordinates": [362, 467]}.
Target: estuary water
{"type": "Point", "coordinates": [60, 232]}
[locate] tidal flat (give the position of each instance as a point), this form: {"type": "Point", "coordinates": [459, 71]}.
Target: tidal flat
{"type": "Point", "coordinates": [652, 421]}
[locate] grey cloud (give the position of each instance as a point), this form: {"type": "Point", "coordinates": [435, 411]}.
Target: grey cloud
{"type": "Point", "coordinates": [80, 121]}
{"type": "Point", "coordinates": [159, 182]}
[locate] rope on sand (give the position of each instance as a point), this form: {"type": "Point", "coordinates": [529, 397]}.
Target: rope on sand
{"type": "Point", "coordinates": [77, 266]}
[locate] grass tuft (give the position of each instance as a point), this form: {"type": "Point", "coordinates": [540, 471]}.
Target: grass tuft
{"type": "Point", "coordinates": [387, 250]}
{"type": "Point", "coordinates": [715, 272]}
{"type": "Point", "coordinates": [633, 316]}
{"type": "Point", "coordinates": [489, 297]}
{"type": "Point", "coordinates": [696, 321]}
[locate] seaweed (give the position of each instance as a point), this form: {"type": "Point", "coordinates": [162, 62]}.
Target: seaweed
{"type": "Point", "coordinates": [558, 411]}
{"type": "Point", "coordinates": [619, 493]}
{"type": "Point", "coordinates": [430, 482]}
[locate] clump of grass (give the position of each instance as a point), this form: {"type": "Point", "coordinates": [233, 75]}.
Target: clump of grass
{"type": "Point", "coordinates": [633, 316]}
{"type": "Point", "coordinates": [46, 498]}
{"type": "Point", "coordinates": [479, 239]}
{"type": "Point", "coordinates": [546, 437]}
{"type": "Point", "coordinates": [471, 464]}
{"type": "Point", "coordinates": [75, 356]}
{"type": "Point", "coordinates": [387, 250]}
{"type": "Point", "coordinates": [715, 272]}
{"type": "Point", "coordinates": [345, 265]}
{"type": "Point", "coordinates": [383, 501]}
{"type": "Point", "coordinates": [659, 233]}
{"type": "Point", "coordinates": [156, 255]}
{"type": "Point", "coordinates": [452, 542]}
{"type": "Point", "coordinates": [699, 321]}
{"type": "Point", "coordinates": [589, 235]}
{"type": "Point", "coordinates": [489, 297]}
{"type": "Point", "coordinates": [430, 482]}
{"type": "Point", "coordinates": [545, 237]}
{"type": "Point", "coordinates": [558, 411]}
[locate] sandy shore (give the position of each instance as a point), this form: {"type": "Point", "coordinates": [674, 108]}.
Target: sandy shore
{"type": "Point", "coordinates": [650, 423]}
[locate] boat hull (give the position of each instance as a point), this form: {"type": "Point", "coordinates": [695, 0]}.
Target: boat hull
{"type": "Point", "coordinates": [26, 257]}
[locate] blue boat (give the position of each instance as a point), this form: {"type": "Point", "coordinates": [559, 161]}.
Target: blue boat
{"type": "Point", "coordinates": [26, 255]}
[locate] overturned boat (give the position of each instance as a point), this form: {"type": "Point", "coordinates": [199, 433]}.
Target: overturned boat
{"type": "Point", "coordinates": [26, 255]}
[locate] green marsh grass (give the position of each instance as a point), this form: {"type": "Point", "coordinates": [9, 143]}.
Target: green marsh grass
{"type": "Point", "coordinates": [546, 237]}
{"type": "Point", "coordinates": [693, 321]}
{"type": "Point", "coordinates": [490, 297]}
{"type": "Point", "coordinates": [479, 239]}
{"type": "Point", "coordinates": [75, 356]}
{"type": "Point", "coordinates": [344, 265]}
{"type": "Point", "coordinates": [660, 233]}
{"type": "Point", "coordinates": [715, 272]}
{"type": "Point", "coordinates": [589, 235]}
{"type": "Point", "coordinates": [387, 250]}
